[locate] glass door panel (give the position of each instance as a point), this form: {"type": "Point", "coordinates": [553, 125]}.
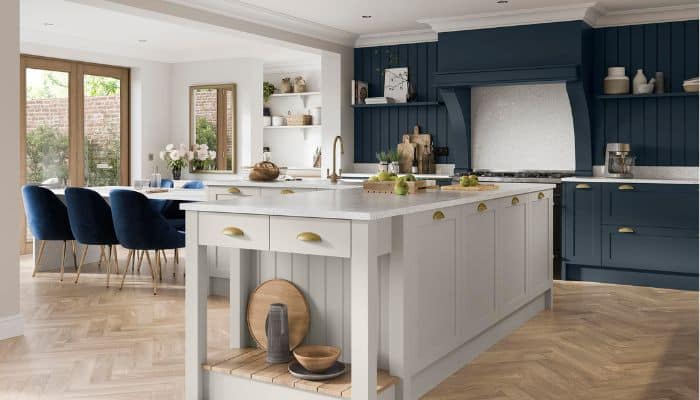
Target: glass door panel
{"type": "Point", "coordinates": [230, 138]}
{"type": "Point", "coordinates": [102, 121]}
{"type": "Point", "coordinates": [47, 143]}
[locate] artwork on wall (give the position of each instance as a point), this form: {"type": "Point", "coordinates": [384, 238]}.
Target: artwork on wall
{"type": "Point", "coordinates": [396, 84]}
{"type": "Point", "coordinates": [360, 91]}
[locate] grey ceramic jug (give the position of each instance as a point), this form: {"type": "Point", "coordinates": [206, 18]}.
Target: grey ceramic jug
{"type": "Point", "coordinates": [277, 331]}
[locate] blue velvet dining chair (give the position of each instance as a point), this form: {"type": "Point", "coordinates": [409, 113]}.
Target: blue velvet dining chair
{"type": "Point", "coordinates": [140, 228]}
{"type": "Point", "coordinates": [91, 223]}
{"type": "Point", "coordinates": [167, 183]}
{"type": "Point", "coordinates": [193, 185]}
{"type": "Point", "coordinates": [47, 219]}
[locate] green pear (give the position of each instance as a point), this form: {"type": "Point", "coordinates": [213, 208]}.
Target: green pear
{"type": "Point", "coordinates": [401, 187]}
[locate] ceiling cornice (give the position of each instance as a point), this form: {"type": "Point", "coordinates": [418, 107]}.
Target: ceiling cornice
{"type": "Point", "coordinates": [648, 15]}
{"type": "Point", "coordinates": [263, 16]}
{"type": "Point", "coordinates": [390, 38]}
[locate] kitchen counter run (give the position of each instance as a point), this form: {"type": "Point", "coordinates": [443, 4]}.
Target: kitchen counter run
{"type": "Point", "coordinates": [302, 184]}
{"type": "Point", "coordinates": [603, 179]}
{"type": "Point", "coordinates": [355, 204]}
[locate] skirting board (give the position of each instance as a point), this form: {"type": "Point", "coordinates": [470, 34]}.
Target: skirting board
{"type": "Point", "coordinates": [438, 371]}
{"type": "Point", "coordinates": [11, 326]}
{"type": "Point", "coordinates": [219, 386]}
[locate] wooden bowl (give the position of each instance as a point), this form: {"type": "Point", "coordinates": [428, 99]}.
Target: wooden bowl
{"type": "Point", "coordinates": [316, 358]}
{"type": "Point", "coordinates": [264, 171]}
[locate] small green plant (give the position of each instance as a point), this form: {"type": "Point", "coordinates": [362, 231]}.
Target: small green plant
{"type": "Point", "coordinates": [382, 157]}
{"type": "Point", "coordinates": [392, 155]}
{"type": "Point", "coordinates": [268, 89]}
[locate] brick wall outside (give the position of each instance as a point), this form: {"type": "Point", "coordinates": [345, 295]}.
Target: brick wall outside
{"type": "Point", "coordinates": [101, 115]}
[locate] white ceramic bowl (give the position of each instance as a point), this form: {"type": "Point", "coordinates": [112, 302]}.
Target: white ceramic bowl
{"type": "Point", "coordinates": [645, 88]}
{"type": "Point", "coordinates": [278, 121]}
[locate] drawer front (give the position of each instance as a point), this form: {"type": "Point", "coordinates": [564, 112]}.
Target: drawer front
{"type": "Point", "coordinates": [240, 231]}
{"type": "Point", "coordinates": [323, 237]}
{"type": "Point", "coordinates": [264, 192]}
{"type": "Point", "coordinates": [656, 249]}
{"type": "Point", "coordinates": [663, 206]}
{"type": "Point", "coordinates": [231, 192]}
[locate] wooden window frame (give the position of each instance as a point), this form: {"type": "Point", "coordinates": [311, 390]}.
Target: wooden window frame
{"type": "Point", "coordinates": [221, 124]}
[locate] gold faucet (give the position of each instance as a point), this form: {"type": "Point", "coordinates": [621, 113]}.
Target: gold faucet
{"type": "Point", "coordinates": [334, 177]}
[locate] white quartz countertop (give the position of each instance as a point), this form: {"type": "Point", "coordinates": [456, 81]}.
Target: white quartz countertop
{"type": "Point", "coordinates": [603, 179]}
{"type": "Point", "coordinates": [162, 194]}
{"type": "Point", "coordinates": [358, 175]}
{"type": "Point", "coordinates": [310, 183]}
{"type": "Point", "coordinates": [356, 204]}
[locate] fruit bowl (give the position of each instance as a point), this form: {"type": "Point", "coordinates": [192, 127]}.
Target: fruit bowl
{"type": "Point", "coordinates": [316, 358]}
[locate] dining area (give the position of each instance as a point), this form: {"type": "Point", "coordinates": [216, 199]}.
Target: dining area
{"type": "Point", "coordinates": [74, 227]}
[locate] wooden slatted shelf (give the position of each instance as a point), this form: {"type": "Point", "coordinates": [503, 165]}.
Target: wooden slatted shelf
{"type": "Point", "coordinates": [249, 363]}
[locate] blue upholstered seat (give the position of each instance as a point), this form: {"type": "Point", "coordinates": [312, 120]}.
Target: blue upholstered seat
{"type": "Point", "coordinates": [47, 219]}
{"type": "Point", "coordinates": [91, 223]}
{"type": "Point", "coordinates": [193, 185]}
{"type": "Point", "coordinates": [139, 227]}
{"type": "Point", "coordinates": [167, 183]}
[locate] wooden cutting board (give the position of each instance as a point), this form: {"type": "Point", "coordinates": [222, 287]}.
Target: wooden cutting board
{"type": "Point", "coordinates": [278, 291]}
{"type": "Point", "coordinates": [482, 187]}
{"type": "Point", "coordinates": [388, 186]}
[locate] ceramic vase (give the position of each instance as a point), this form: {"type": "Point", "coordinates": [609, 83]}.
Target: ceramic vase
{"type": "Point", "coordinates": [616, 82]}
{"type": "Point", "coordinates": [394, 167]}
{"type": "Point", "coordinates": [177, 173]}
{"type": "Point", "coordinates": [383, 167]}
{"type": "Point", "coordinates": [639, 80]}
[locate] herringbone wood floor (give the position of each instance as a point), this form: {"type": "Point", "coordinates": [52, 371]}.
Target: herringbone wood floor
{"type": "Point", "coordinates": [600, 342]}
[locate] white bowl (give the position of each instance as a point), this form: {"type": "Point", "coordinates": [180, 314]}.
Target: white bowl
{"type": "Point", "coordinates": [645, 88]}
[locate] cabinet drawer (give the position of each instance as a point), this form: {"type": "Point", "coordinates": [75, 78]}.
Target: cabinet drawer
{"type": "Point", "coordinates": [656, 249]}
{"type": "Point", "coordinates": [323, 237]}
{"type": "Point", "coordinates": [264, 192]}
{"type": "Point", "coordinates": [240, 231]}
{"type": "Point", "coordinates": [667, 206]}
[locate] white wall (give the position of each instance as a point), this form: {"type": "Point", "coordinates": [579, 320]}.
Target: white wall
{"type": "Point", "coordinates": [338, 119]}
{"type": "Point", "coordinates": [10, 317]}
{"type": "Point", "coordinates": [522, 127]}
{"type": "Point", "coordinates": [150, 102]}
{"type": "Point", "coordinates": [247, 74]}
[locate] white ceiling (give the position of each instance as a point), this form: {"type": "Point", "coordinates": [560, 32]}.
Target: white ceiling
{"type": "Point", "coordinates": [83, 27]}
{"type": "Point", "coordinates": [402, 15]}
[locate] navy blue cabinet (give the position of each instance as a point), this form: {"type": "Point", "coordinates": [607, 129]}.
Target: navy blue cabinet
{"type": "Point", "coordinates": [581, 219]}
{"type": "Point", "coordinates": [643, 234]}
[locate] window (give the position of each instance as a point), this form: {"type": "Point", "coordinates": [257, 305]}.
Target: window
{"type": "Point", "coordinates": [212, 122]}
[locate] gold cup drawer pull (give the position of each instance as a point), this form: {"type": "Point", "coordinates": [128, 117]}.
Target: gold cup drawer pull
{"type": "Point", "coordinates": [309, 237]}
{"type": "Point", "coordinates": [482, 207]}
{"type": "Point", "coordinates": [234, 190]}
{"type": "Point", "coordinates": [515, 201]}
{"type": "Point", "coordinates": [232, 231]}
{"type": "Point", "coordinates": [540, 196]}
{"type": "Point", "coordinates": [625, 229]}
{"type": "Point", "coordinates": [286, 191]}
{"type": "Point", "coordinates": [583, 186]}
{"type": "Point", "coordinates": [625, 187]}
{"type": "Point", "coordinates": [438, 215]}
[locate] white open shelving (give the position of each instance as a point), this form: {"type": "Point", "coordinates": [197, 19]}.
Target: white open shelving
{"type": "Point", "coordinates": [304, 96]}
{"type": "Point", "coordinates": [292, 126]}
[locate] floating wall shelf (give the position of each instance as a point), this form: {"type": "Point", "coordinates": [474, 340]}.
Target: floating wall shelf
{"type": "Point", "coordinates": [411, 104]}
{"type": "Point", "coordinates": [644, 96]}
{"type": "Point", "coordinates": [295, 94]}
{"type": "Point", "coordinates": [292, 127]}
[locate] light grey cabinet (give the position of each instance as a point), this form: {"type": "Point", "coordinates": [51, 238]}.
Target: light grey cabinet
{"type": "Point", "coordinates": [539, 243]}
{"type": "Point", "coordinates": [511, 254]}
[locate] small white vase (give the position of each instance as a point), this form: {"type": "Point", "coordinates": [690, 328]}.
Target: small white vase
{"type": "Point", "coordinates": [382, 167]}
{"type": "Point", "coordinates": [639, 79]}
{"type": "Point", "coordinates": [394, 167]}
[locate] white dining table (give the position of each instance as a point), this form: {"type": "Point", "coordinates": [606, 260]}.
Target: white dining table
{"type": "Point", "coordinates": [51, 260]}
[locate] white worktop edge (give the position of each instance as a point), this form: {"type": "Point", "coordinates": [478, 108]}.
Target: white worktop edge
{"type": "Point", "coordinates": [602, 179]}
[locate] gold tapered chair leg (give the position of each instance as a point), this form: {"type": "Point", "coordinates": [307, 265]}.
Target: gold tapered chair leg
{"type": "Point", "coordinates": [126, 268]}
{"type": "Point", "coordinates": [148, 258]}
{"type": "Point", "coordinates": [109, 264]}
{"type": "Point", "coordinates": [160, 265]}
{"type": "Point", "coordinates": [176, 261]}
{"type": "Point", "coordinates": [102, 256]}
{"type": "Point", "coordinates": [42, 245]}
{"type": "Point", "coordinates": [80, 266]}
{"type": "Point", "coordinates": [110, 248]}
{"type": "Point", "coordinates": [153, 272]}
{"type": "Point", "coordinates": [138, 265]}
{"type": "Point", "coordinates": [116, 263]}
{"type": "Point", "coordinates": [164, 256]}
{"type": "Point", "coordinates": [63, 260]}
{"type": "Point", "coordinates": [75, 259]}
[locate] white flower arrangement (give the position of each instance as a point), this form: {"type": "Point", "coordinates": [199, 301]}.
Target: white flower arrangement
{"type": "Point", "coordinates": [201, 157]}
{"type": "Point", "coordinates": [175, 157]}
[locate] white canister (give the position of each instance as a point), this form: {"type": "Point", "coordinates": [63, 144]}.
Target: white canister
{"type": "Point", "coordinates": [267, 120]}
{"type": "Point", "coordinates": [278, 120]}
{"type": "Point", "coordinates": [616, 72]}
{"type": "Point", "coordinates": [316, 116]}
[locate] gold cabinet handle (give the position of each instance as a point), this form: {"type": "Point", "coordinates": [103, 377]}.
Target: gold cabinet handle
{"type": "Point", "coordinates": [232, 231]}
{"type": "Point", "coordinates": [515, 201]}
{"type": "Point", "coordinates": [438, 215]}
{"type": "Point", "coordinates": [540, 196]}
{"type": "Point", "coordinates": [309, 237]}
{"type": "Point", "coordinates": [481, 207]}
{"type": "Point", "coordinates": [234, 190]}
{"type": "Point", "coordinates": [625, 229]}
{"type": "Point", "coordinates": [583, 186]}
{"type": "Point", "coordinates": [625, 187]}
{"type": "Point", "coordinates": [286, 191]}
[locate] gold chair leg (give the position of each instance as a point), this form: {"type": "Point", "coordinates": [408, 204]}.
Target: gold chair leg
{"type": "Point", "coordinates": [63, 260]}
{"type": "Point", "coordinates": [138, 265]}
{"type": "Point", "coordinates": [42, 246]}
{"type": "Point", "coordinates": [109, 257]}
{"type": "Point", "coordinates": [153, 272]}
{"type": "Point", "coordinates": [133, 263]}
{"type": "Point", "coordinates": [126, 268]}
{"type": "Point", "coordinates": [75, 260]}
{"type": "Point", "coordinates": [116, 263]}
{"type": "Point", "coordinates": [160, 265]}
{"type": "Point", "coordinates": [80, 266]}
{"type": "Point", "coordinates": [102, 256]}
{"type": "Point", "coordinates": [109, 264]}
{"type": "Point", "coordinates": [177, 256]}
{"type": "Point", "coordinates": [148, 258]}
{"type": "Point", "coordinates": [164, 256]}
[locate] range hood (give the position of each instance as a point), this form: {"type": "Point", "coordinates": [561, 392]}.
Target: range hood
{"type": "Point", "coordinates": [529, 54]}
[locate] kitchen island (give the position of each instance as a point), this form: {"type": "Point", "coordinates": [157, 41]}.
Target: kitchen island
{"type": "Point", "coordinates": [410, 288]}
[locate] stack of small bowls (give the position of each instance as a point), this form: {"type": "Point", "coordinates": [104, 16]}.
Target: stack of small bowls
{"type": "Point", "coordinates": [616, 82]}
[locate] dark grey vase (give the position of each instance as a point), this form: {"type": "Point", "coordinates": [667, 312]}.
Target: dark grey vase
{"type": "Point", "coordinates": [277, 331]}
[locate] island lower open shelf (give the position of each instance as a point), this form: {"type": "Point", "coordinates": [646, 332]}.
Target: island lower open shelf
{"type": "Point", "coordinates": [252, 371]}
{"type": "Point", "coordinates": [416, 286]}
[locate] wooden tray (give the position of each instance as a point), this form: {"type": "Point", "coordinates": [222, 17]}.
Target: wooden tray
{"type": "Point", "coordinates": [278, 291]}
{"type": "Point", "coordinates": [480, 188]}
{"type": "Point", "coordinates": [388, 186]}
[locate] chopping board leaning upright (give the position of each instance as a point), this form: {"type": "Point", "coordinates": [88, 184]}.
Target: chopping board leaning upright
{"type": "Point", "coordinates": [419, 147]}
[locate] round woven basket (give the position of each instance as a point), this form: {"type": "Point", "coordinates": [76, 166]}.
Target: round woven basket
{"type": "Point", "coordinates": [264, 171]}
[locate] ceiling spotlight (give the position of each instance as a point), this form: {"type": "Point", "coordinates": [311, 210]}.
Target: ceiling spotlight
{"type": "Point", "coordinates": [48, 24]}
{"type": "Point", "coordinates": [366, 16]}
{"type": "Point", "coordinates": [143, 41]}
{"type": "Point", "coordinates": [502, 2]}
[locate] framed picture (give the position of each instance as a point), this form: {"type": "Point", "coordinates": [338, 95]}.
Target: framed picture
{"type": "Point", "coordinates": [360, 91]}
{"type": "Point", "coordinates": [396, 84]}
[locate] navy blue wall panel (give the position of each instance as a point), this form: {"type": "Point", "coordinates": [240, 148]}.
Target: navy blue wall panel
{"type": "Point", "coordinates": [662, 131]}
{"type": "Point", "coordinates": [381, 128]}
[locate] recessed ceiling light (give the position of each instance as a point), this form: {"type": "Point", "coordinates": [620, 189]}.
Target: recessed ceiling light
{"type": "Point", "coordinates": [502, 2]}
{"type": "Point", "coordinates": [143, 40]}
{"type": "Point", "coordinates": [48, 24]}
{"type": "Point", "coordinates": [366, 16]}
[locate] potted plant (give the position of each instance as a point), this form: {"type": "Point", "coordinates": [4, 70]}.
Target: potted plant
{"type": "Point", "coordinates": [393, 157]}
{"type": "Point", "coordinates": [176, 158]}
{"type": "Point", "coordinates": [268, 90]}
{"type": "Point", "coordinates": [383, 159]}
{"type": "Point", "coordinates": [202, 158]}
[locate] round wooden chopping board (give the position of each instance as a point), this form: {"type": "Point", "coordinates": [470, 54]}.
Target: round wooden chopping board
{"type": "Point", "coordinates": [278, 291]}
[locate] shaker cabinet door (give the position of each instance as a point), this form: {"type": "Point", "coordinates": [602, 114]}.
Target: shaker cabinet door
{"type": "Point", "coordinates": [582, 223]}
{"type": "Point", "coordinates": [511, 254]}
{"type": "Point", "coordinates": [539, 243]}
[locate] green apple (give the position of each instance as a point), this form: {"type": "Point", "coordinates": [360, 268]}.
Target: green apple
{"type": "Point", "coordinates": [384, 176]}
{"type": "Point", "coordinates": [409, 178]}
{"type": "Point", "coordinates": [464, 181]}
{"type": "Point", "coordinates": [373, 179]}
{"type": "Point", "coordinates": [401, 187]}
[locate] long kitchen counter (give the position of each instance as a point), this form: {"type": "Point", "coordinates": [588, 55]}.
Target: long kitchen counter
{"type": "Point", "coordinates": [356, 204]}
{"type": "Point", "coordinates": [604, 179]}
{"type": "Point", "coordinates": [305, 183]}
